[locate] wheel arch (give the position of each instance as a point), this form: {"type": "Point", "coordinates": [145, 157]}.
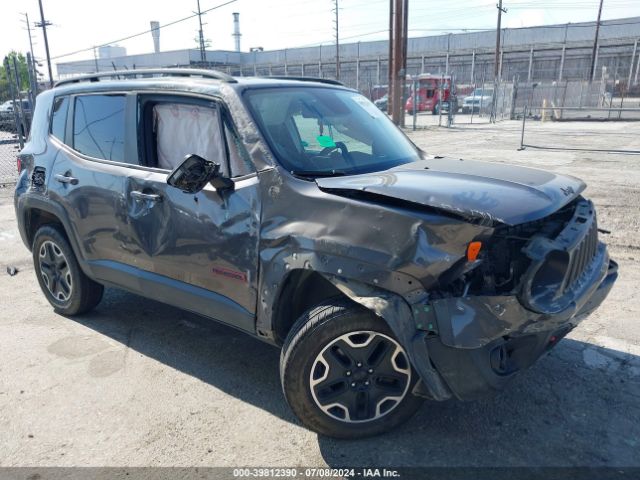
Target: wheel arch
{"type": "Point", "coordinates": [301, 290]}
{"type": "Point", "coordinates": [397, 313]}
{"type": "Point", "coordinates": [35, 213]}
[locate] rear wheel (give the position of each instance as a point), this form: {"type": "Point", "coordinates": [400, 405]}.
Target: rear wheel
{"type": "Point", "coordinates": [66, 287]}
{"type": "Point", "coordinates": [344, 374]}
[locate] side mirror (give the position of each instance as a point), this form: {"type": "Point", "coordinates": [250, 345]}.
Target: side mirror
{"type": "Point", "coordinates": [195, 172]}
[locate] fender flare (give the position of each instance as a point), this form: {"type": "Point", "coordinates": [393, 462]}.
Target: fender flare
{"type": "Point", "coordinates": [397, 313]}
{"type": "Point", "coordinates": [26, 203]}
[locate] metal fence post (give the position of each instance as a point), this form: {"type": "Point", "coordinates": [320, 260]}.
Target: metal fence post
{"type": "Point", "coordinates": [473, 66]}
{"type": "Point", "coordinates": [23, 120]}
{"type": "Point", "coordinates": [514, 97]}
{"type": "Point", "coordinates": [635, 80]}
{"type": "Point", "coordinates": [473, 101]}
{"type": "Point", "coordinates": [16, 118]}
{"type": "Point", "coordinates": [33, 82]}
{"type": "Point", "coordinates": [452, 89]}
{"type": "Point", "coordinates": [440, 101]}
{"type": "Point", "coordinates": [414, 95]}
{"type": "Point", "coordinates": [286, 66]}
{"type": "Point", "coordinates": [524, 119]}
{"type": "Point", "coordinates": [633, 58]}
{"type": "Point", "coordinates": [358, 67]}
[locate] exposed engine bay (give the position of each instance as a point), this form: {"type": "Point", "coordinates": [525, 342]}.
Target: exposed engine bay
{"type": "Point", "coordinates": [509, 255]}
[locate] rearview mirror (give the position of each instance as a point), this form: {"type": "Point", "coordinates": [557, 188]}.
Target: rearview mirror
{"type": "Point", "coordinates": [195, 172]}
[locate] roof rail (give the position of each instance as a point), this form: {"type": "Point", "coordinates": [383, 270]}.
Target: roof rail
{"type": "Point", "coordinates": [163, 72]}
{"type": "Point", "coordinates": [307, 79]}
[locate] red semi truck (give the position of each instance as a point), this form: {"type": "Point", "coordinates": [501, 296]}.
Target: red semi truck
{"type": "Point", "coordinates": [429, 89]}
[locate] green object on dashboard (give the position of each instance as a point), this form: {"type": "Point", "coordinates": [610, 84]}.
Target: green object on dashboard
{"type": "Point", "coordinates": [325, 141]}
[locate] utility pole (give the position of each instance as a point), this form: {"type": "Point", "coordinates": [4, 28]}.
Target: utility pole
{"type": "Point", "coordinates": [398, 19]}
{"type": "Point", "coordinates": [496, 76]}
{"type": "Point", "coordinates": [335, 5]}
{"type": "Point", "coordinates": [31, 64]}
{"type": "Point", "coordinates": [26, 16]}
{"type": "Point", "coordinates": [44, 24]}
{"type": "Point", "coordinates": [595, 44]}
{"type": "Point", "coordinates": [203, 54]}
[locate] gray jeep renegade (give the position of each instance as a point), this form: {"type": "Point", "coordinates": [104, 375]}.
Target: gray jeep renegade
{"type": "Point", "coordinates": [294, 210]}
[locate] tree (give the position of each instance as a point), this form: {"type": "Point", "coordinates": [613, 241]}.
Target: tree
{"type": "Point", "coordinates": [23, 74]}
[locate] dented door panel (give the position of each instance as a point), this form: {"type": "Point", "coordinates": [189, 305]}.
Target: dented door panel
{"type": "Point", "coordinates": [208, 240]}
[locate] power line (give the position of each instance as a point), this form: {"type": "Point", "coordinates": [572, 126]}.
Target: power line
{"type": "Point", "coordinates": [145, 32]}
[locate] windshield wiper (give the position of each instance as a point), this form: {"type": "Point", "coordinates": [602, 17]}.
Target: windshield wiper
{"type": "Point", "coordinates": [318, 173]}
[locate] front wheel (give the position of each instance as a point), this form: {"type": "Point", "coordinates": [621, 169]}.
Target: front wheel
{"type": "Point", "coordinates": [344, 374]}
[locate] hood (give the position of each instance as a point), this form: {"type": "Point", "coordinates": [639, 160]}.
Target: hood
{"type": "Point", "coordinates": [487, 193]}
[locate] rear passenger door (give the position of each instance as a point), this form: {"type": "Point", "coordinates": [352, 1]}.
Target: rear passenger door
{"type": "Point", "coordinates": [200, 250]}
{"type": "Point", "coordinates": [97, 146]}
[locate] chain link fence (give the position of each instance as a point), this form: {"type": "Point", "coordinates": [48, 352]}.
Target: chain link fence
{"type": "Point", "coordinates": [9, 146]}
{"type": "Point", "coordinates": [15, 119]}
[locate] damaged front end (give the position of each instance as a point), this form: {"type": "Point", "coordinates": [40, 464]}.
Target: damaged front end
{"type": "Point", "coordinates": [530, 285]}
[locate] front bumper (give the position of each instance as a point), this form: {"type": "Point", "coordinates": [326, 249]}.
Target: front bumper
{"type": "Point", "coordinates": [483, 341]}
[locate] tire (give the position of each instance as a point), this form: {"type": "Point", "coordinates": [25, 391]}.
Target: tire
{"type": "Point", "coordinates": [372, 372]}
{"type": "Point", "coordinates": [64, 284]}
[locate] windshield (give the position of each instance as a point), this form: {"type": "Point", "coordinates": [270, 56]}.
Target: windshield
{"type": "Point", "coordinates": [327, 131]}
{"type": "Point", "coordinates": [479, 92]}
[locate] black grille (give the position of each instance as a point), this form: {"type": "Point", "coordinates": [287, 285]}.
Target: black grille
{"type": "Point", "coordinates": [560, 261]}
{"type": "Point", "coordinates": [582, 255]}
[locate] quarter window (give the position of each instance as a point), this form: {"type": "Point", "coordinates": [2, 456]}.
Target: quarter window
{"type": "Point", "coordinates": [238, 156]}
{"type": "Point", "coordinates": [98, 126]}
{"type": "Point", "coordinates": [59, 117]}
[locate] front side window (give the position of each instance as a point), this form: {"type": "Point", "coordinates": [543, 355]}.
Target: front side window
{"type": "Point", "coordinates": [98, 126]}
{"type": "Point", "coordinates": [59, 117]}
{"type": "Point", "coordinates": [328, 131]}
{"type": "Point", "coordinates": [184, 129]}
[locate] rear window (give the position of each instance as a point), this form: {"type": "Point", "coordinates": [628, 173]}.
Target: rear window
{"type": "Point", "coordinates": [59, 117]}
{"type": "Point", "coordinates": [98, 126]}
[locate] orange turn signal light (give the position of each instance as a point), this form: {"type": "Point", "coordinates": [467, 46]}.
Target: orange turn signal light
{"type": "Point", "coordinates": [473, 250]}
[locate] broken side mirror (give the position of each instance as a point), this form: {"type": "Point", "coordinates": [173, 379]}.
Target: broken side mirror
{"type": "Point", "coordinates": [195, 172]}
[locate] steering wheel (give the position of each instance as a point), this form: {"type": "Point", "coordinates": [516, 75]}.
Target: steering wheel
{"type": "Point", "coordinates": [345, 152]}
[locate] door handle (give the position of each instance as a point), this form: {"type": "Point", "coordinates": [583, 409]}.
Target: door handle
{"type": "Point", "coordinates": [65, 179]}
{"type": "Point", "coordinates": [152, 197]}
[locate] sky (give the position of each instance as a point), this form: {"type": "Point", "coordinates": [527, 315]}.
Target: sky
{"type": "Point", "coordinates": [271, 24]}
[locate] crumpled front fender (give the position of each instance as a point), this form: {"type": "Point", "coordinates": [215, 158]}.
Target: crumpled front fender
{"type": "Point", "coordinates": [398, 315]}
